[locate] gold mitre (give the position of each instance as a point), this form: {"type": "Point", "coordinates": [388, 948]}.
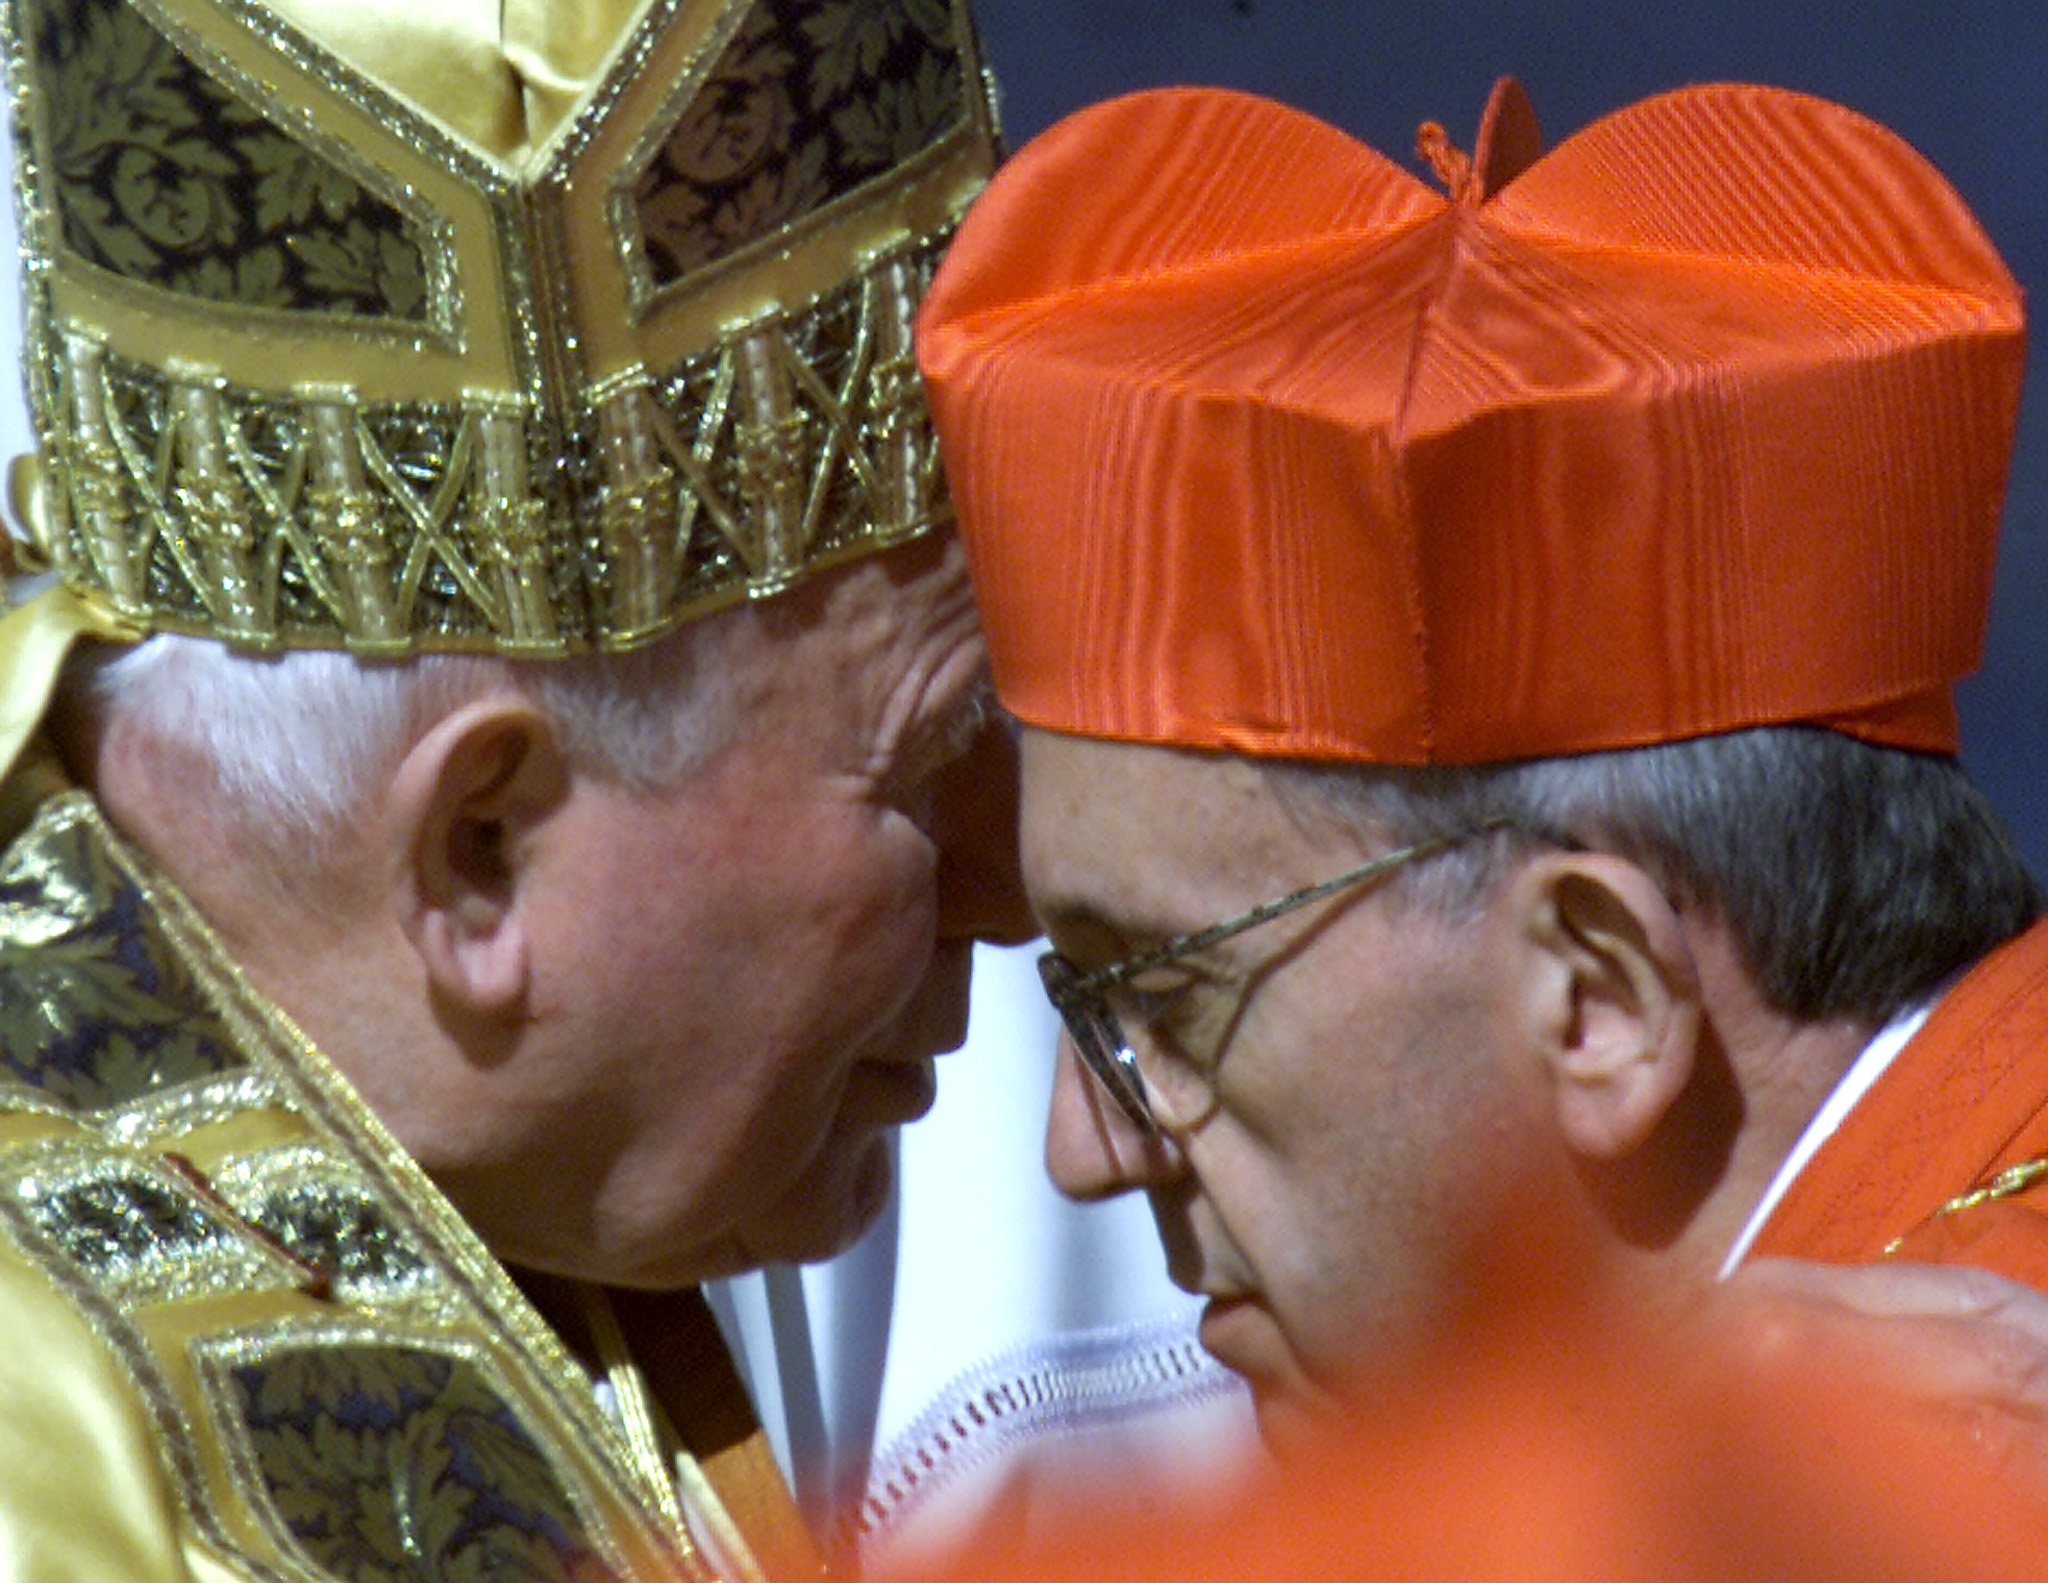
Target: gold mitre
{"type": "Point", "coordinates": [533, 326]}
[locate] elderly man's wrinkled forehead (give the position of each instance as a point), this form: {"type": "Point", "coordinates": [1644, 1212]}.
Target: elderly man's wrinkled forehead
{"type": "Point", "coordinates": [895, 626]}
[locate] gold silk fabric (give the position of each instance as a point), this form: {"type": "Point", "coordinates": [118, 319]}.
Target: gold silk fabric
{"type": "Point", "coordinates": [533, 328]}
{"type": "Point", "coordinates": [1699, 420]}
{"type": "Point", "coordinates": [244, 1336]}
{"type": "Point", "coordinates": [502, 76]}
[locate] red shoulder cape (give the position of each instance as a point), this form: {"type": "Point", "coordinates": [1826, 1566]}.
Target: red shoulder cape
{"type": "Point", "coordinates": [1945, 1160]}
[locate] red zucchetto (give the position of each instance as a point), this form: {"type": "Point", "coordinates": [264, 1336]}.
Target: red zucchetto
{"type": "Point", "coordinates": [1699, 420]}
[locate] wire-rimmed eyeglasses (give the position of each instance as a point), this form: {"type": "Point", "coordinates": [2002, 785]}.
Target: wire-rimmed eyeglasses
{"type": "Point", "coordinates": [1082, 999]}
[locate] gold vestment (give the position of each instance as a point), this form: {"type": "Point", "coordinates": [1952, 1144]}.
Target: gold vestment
{"type": "Point", "coordinates": [244, 1336]}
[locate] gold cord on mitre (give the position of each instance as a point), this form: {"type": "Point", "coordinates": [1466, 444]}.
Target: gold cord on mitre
{"type": "Point", "coordinates": [519, 326]}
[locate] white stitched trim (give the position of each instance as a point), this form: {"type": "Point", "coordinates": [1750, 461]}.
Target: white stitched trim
{"type": "Point", "coordinates": [1063, 1386]}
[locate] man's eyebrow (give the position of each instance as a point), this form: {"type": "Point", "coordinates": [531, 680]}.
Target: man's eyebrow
{"type": "Point", "coordinates": [1096, 932]}
{"type": "Point", "coordinates": [1066, 915]}
{"type": "Point", "coordinates": [953, 730]}
{"type": "Point", "coordinates": [976, 707]}
{"type": "Point", "coordinates": [941, 737]}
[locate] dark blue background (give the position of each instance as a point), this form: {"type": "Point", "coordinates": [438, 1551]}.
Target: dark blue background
{"type": "Point", "coordinates": [1967, 84]}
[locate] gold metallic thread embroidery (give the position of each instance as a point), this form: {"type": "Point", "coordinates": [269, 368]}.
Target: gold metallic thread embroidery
{"type": "Point", "coordinates": [535, 408]}
{"type": "Point", "coordinates": [2008, 1183]}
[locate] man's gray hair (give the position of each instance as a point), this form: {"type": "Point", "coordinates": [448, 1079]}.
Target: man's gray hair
{"type": "Point", "coordinates": [1855, 878]}
{"type": "Point", "coordinates": [300, 740]}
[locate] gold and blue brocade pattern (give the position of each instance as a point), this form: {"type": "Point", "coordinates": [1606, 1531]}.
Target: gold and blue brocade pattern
{"type": "Point", "coordinates": [380, 1457]}
{"type": "Point", "coordinates": [93, 1012]}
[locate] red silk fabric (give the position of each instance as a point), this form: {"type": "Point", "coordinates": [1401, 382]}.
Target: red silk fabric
{"type": "Point", "coordinates": [1964, 1101]}
{"type": "Point", "coordinates": [1698, 421]}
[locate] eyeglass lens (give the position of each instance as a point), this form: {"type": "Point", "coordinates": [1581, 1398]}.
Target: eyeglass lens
{"type": "Point", "coordinates": [1097, 1040]}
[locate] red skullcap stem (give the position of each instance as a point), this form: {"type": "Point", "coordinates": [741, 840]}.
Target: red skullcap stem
{"type": "Point", "coordinates": [1509, 142]}
{"type": "Point", "coordinates": [1433, 146]}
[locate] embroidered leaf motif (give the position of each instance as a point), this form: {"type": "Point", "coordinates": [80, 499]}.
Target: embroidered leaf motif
{"type": "Point", "coordinates": [344, 263]}
{"type": "Point", "coordinates": [95, 1008]}
{"type": "Point", "coordinates": [291, 188]}
{"type": "Point", "coordinates": [400, 282]}
{"type": "Point", "coordinates": [854, 40]}
{"type": "Point", "coordinates": [772, 198]}
{"type": "Point", "coordinates": [899, 115]}
{"type": "Point", "coordinates": [808, 102]}
{"type": "Point", "coordinates": [393, 1463]}
{"type": "Point", "coordinates": [161, 175]}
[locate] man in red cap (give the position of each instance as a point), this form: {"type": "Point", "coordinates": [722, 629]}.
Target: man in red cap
{"type": "Point", "coordinates": [1485, 664]}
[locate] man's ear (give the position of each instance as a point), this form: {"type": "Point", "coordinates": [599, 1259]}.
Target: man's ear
{"type": "Point", "coordinates": [1614, 1002]}
{"type": "Point", "coordinates": [467, 798]}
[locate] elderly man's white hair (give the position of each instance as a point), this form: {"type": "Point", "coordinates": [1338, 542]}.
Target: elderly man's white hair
{"type": "Point", "coordinates": [299, 741]}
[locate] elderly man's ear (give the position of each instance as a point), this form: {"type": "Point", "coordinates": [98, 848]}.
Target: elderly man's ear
{"type": "Point", "coordinates": [468, 801]}
{"type": "Point", "coordinates": [1611, 998]}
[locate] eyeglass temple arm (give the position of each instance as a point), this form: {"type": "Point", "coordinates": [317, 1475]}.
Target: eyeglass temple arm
{"type": "Point", "coordinates": [1202, 939]}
